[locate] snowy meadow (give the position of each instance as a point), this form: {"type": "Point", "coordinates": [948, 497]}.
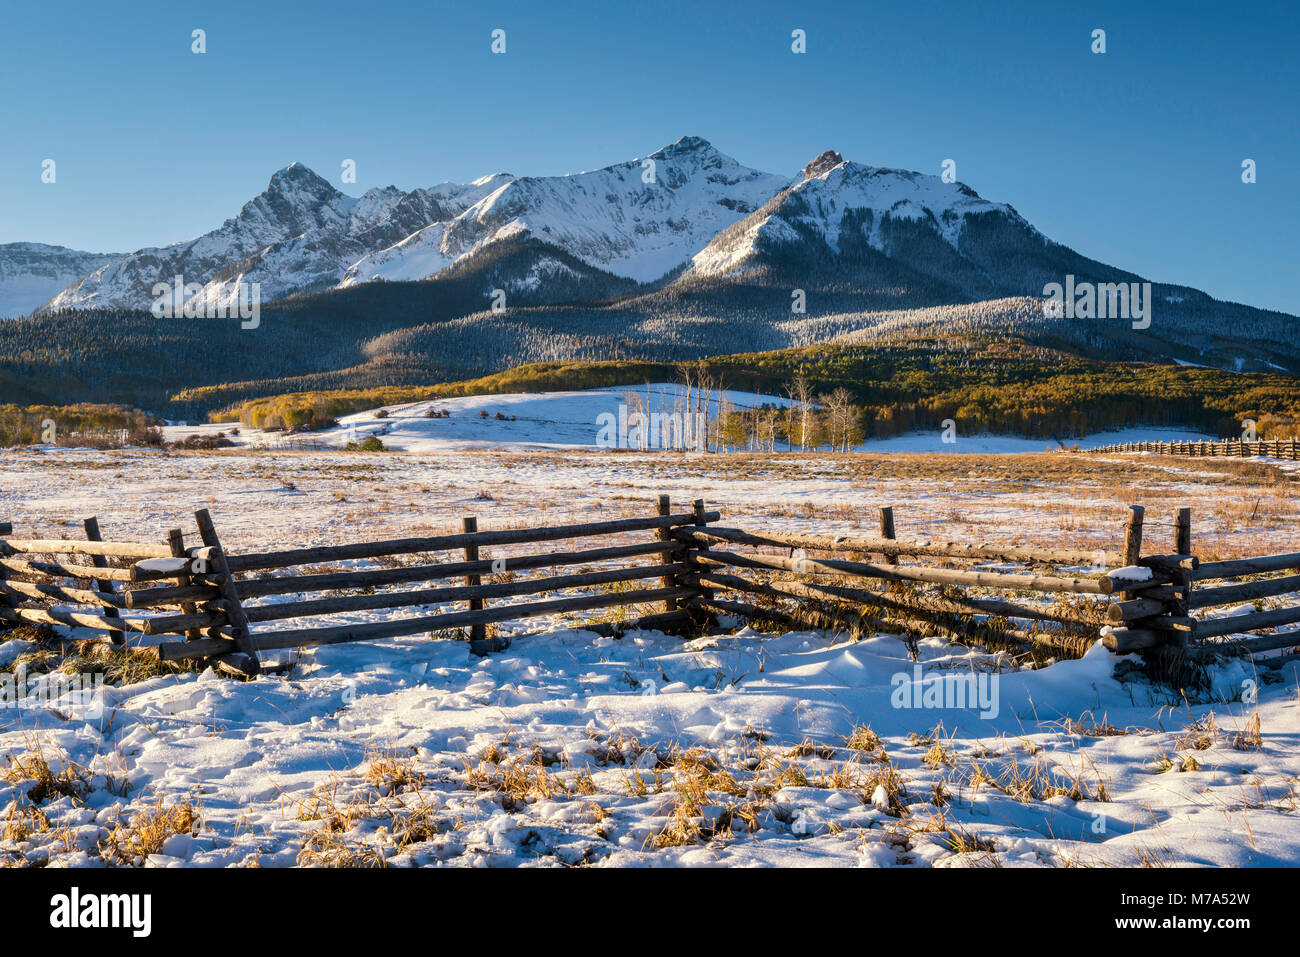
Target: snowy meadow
{"type": "Point", "coordinates": [751, 746]}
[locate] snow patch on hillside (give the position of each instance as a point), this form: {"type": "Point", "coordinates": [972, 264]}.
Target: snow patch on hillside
{"type": "Point", "coordinates": [560, 420]}
{"type": "Point", "coordinates": [513, 420]}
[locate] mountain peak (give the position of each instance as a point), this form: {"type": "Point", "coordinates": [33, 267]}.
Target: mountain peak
{"type": "Point", "coordinates": [294, 174]}
{"type": "Point", "coordinates": [688, 144]}
{"type": "Point", "coordinates": [824, 163]}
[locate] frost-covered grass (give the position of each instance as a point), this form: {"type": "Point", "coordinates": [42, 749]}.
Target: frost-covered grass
{"type": "Point", "coordinates": [267, 498]}
{"type": "Point", "coordinates": [570, 748]}
{"type": "Point", "coordinates": [575, 749]}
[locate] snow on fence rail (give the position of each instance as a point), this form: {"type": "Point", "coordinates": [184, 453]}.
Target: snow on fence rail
{"type": "Point", "coordinates": [1056, 600]}
{"type": "Point", "coordinates": [199, 593]}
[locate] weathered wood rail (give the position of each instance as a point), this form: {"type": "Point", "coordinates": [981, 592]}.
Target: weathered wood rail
{"type": "Point", "coordinates": [229, 608]}
{"type": "Point", "coordinates": [214, 599]}
{"type": "Point", "coordinates": [1055, 600]}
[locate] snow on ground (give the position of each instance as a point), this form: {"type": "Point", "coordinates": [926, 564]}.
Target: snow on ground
{"type": "Point", "coordinates": [561, 420]}
{"type": "Point", "coordinates": [265, 498]}
{"type": "Point", "coordinates": [540, 420]}
{"type": "Point", "coordinates": [745, 749]}
{"type": "Point", "coordinates": [572, 748]}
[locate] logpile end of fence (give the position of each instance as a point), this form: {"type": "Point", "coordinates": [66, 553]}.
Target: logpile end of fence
{"type": "Point", "coordinates": [1125, 641]}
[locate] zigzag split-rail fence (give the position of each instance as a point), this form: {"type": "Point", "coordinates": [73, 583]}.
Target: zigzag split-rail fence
{"type": "Point", "coordinates": [229, 608]}
{"type": "Point", "coordinates": [1288, 449]}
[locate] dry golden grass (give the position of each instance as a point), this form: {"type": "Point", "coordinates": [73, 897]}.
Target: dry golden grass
{"type": "Point", "coordinates": [1089, 726]}
{"type": "Point", "coordinates": [22, 820]}
{"type": "Point", "coordinates": [42, 783]}
{"type": "Point", "coordinates": [391, 772]}
{"type": "Point", "coordinates": [1249, 738]}
{"type": "Point", "coordinates": [864, 739]}
{"type": "Point", "coordinates": [517, 780]}
{"type": "Point", "coordinates": [1200, 735]}
{"type": "Point", "coordinates": [384, 791]}
{"type": "Point", "coordinates": [148, 831]}
{"type": "Point", "coordinates": [1038, 780]}
{"type": "Point", "coordinates": [699, 783]}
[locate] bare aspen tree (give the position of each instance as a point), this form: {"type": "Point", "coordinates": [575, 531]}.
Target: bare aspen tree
{"type": "Point", "coordinates": [685, 372]}
{"type": "Point", "coordinates": [800, 391]}
{"type": "Point", "coordinates": [768, 429]}
{"type": "Point", "coordinates": [679, 412]}
{"type": "Point", "coordinates": [707, 386]}
{"type": "Point", "coordinates": [790, 410]}
{"type": "Point", "coordinates": [633, 402]}
{"type": "Point", "coordinates": [827, 419]}
{"type": "Point", "coordinates": [721, 424]}
{"type": "Point", "coordinates": [841, 406]}
{"type": "Point", "coordinates": [702, 379]}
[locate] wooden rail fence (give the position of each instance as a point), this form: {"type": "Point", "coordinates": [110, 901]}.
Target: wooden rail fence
{"type": "Point", "coordinates": [212, 604]}
{"type": "Point", "coordinates": [214, 599]}
{"type": "Point", "coordinates": [1288, 449]}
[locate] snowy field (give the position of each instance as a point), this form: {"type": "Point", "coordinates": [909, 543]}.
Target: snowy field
{"type": "Point", "coordinates": [571, 420]}
{"type": "Point", "coordinates": [570, 748]}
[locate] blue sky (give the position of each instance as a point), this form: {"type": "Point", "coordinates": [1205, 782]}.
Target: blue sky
{"type": "Point", "coordinates": [1132, 157]}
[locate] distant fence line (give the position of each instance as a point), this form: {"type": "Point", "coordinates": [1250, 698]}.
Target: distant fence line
{"type": "Point", "coordinates": [1224, 448]}
{"type": "Point", "coordinates": [1057, 602]}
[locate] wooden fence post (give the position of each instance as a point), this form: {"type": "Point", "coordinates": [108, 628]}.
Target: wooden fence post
{"type": "Point", "coordinates": [666, 535]}
{"type": "Point", "coordinates": [6, 528]}
{"type": "Point", "coordinates": [246, 661]}
{"type": "Point", "coordinates": [1133, 539]}
{"type": "Point", "coordinates": [697, 509]}
{"type": "Point", "coordinates": [887, 530]}
{"type": "Point", "coordinates": [176, 541]}
{"type": "Point", "coordinates": [91, 526]}
{"type": "Point", "coordinates": [1133, 534]}
{"type": "Point", "coordinates": [1183, 532]}
{"type": "Point", "coordinates": [477, 633]}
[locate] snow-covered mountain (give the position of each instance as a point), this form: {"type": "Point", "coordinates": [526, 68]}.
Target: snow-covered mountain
{"type": "Point", "coordinates": [863, 202]}
{"type": "Point", "coordinates": [319, 258]}
{"type": "Point", "coordinates": [720, 236]}
{"type": "Point", "coordinates": [639, 220]}
{"type": "Point", "coordinates": [31, 273]}
{"type": "Point", "coordinates": [686, 206]}
{"type": "Point", "coordinates": [299, 234]}
{"type": "Point", "coordinates": [855, 222]}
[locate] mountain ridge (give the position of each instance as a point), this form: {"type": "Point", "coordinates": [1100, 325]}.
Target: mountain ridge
{"type": "Point", "coordinates": [845, 252]}
{"type": "Point", "coordinates": [303, 234]}
{"type": "Point", "coordinates": [30, 273]}
{"type": "Point", "coordinates": [686, 213]}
